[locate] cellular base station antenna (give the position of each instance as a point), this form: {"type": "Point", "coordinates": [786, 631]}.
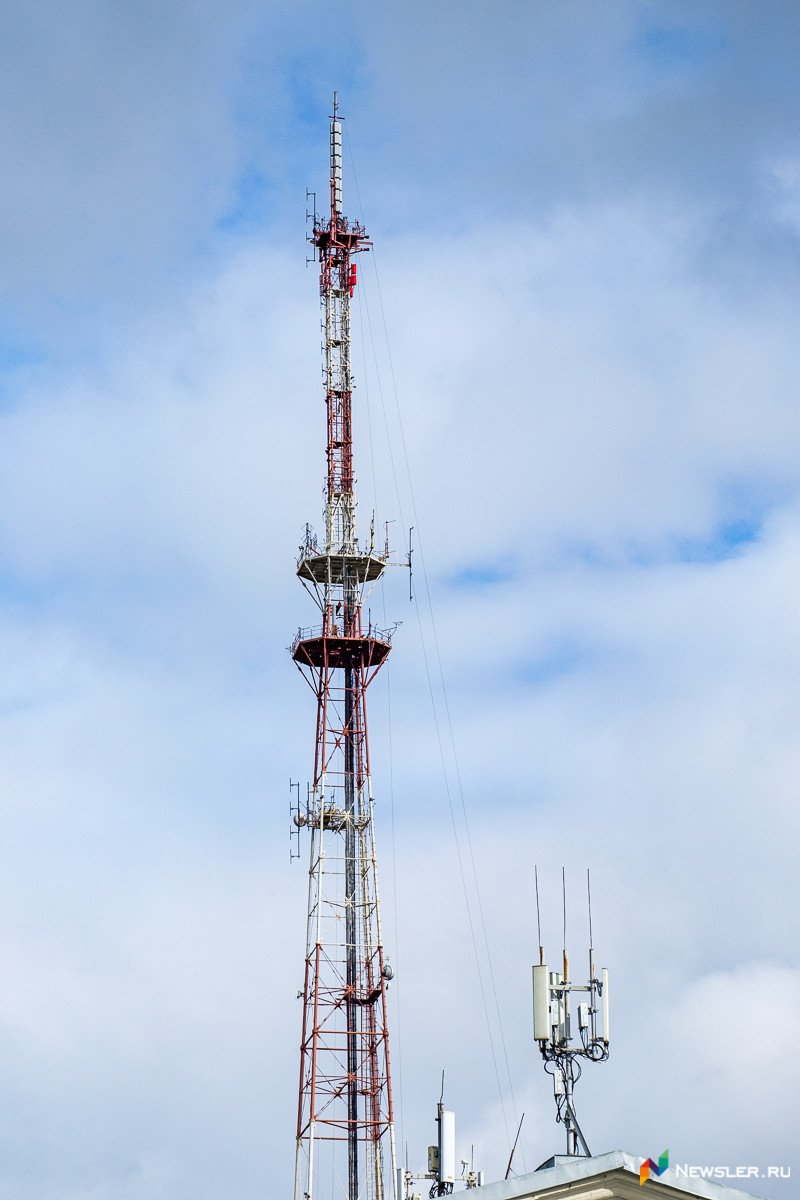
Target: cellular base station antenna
{"type": "Point", "coordinates": [441, 1163]}
{"type": "Point", "coordinates": [552, 1026]}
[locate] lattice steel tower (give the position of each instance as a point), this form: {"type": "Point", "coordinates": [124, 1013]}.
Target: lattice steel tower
{"type": "Point", "coordinates": [345, 1128]}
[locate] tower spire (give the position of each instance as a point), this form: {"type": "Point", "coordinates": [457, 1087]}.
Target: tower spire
{"type": "Point", "coordinates": [336, 161]}
{"type": "Point", "coordinates": [345, 1124]}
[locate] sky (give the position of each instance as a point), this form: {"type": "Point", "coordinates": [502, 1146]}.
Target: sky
{"type": "Point", "coordinates": [576, 367]}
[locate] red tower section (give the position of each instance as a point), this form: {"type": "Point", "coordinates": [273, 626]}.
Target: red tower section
{"type": "Point", "coordinates": [345, 1130]}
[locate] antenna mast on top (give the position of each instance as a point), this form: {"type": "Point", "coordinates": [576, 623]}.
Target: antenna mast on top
{"type": "Point", "coordinates": [552, 1025]}
{"type": "Point", "coordinates": [336, 160]}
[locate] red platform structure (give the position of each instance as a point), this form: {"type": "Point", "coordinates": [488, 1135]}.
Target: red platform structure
{"type": "Point", "coordinates": [345, 1130]}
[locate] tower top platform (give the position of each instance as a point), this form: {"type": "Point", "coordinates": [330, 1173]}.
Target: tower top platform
{"type": "Point", "coordinates": [335, 568]}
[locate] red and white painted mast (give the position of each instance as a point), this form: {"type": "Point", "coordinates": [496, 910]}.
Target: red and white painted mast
{"type": "Point", "coordinates": [345, 1128]}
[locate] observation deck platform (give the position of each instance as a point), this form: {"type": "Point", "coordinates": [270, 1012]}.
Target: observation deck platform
{"type": "Point", "coordinates": [336, 568]}
{"type": "Point", "coordinates": [314, 648]}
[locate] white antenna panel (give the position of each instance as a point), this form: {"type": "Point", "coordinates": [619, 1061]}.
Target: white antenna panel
{"type": "Point", "coordinates": [559, 1015]}
{"type": "Point", "coordinates": [447, 1147]}
{"type": "Point", "coordinates": [541, 1004]}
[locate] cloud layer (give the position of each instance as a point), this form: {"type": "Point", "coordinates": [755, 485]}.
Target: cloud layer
{"type": "Point", "coordinates": [577, 378]}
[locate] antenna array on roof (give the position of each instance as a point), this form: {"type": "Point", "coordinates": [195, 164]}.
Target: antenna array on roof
{"type": "Point", "coordinates": [552, 1023]}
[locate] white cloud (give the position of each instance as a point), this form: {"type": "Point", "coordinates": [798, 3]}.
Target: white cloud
{"type": "Point", "coordinates": [596, 369]}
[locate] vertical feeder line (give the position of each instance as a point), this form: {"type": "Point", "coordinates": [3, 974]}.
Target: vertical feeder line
{"type": "Point", "coordinates": [344, 1116]}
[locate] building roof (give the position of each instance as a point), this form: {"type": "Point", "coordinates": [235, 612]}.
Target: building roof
{"type": "Point", "coordinates": [613, 1176]}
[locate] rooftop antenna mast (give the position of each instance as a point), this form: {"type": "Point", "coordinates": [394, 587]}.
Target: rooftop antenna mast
{"type": "Point", "coordinates": [345, 1126]}
{"type": "Point", "coordinates": [552, 1023]}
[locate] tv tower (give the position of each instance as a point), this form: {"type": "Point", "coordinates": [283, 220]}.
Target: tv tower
{"type": "Point", "coordinates": [345, 1126]}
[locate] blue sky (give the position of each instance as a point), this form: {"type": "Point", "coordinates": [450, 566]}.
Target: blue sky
{"type": "Point", "coordinates": [577, 377]}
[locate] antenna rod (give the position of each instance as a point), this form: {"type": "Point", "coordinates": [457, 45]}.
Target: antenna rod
{"type": "Point", "coordinates": [538, 917]}
{"type": "Point", "coordinates": [589, 894]}
{"type": "Point", "coordinates": [513, 1148]}
{"type": "Point", "coordinates": [591, 939]}
{"type": "Point", "coordinates": [564, 899]}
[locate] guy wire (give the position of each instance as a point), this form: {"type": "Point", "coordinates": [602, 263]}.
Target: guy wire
{"type": "Point", "coordinates": [451, 738]}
